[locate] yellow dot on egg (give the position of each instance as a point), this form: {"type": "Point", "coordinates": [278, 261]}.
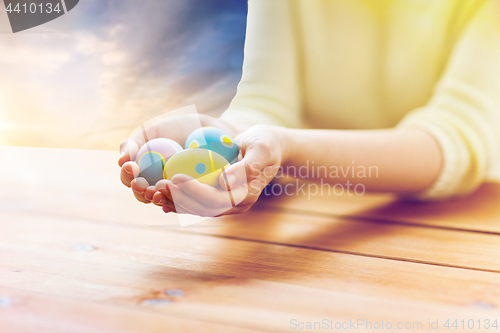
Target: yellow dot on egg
{"type": "Point", "coordinates": [193, 144]}
{"type": "Point", "coordinates": [227, 141]}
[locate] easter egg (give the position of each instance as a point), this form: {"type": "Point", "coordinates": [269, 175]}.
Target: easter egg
{"type": "Point", "coordinates": [215, 140]}
{"type": "Point", "coordinates": [152, 157]}
{"type": "Point", "coordinates": [201, 164]}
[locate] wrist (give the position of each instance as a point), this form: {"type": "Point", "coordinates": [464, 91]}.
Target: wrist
{"type": "Point", "coordinates": [284, 136]}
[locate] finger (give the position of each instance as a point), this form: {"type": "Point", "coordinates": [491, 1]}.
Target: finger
{"type": "Point", "coordinates": [167, 209]}
{"type": "Point", "coordinates": [140, 197]}
{"type": "Point", "coordinates": [205, 194]}
{"type": "Point", "coordinates": [162, 187]}
{"type": "Point", "coordinates": [149, 192]}
{"type": "Point", "coordinates": [256, 169]}
{"type": "Point", "coordinates": [237, 176]}
{"type": "Point", "coordinates": [209, 196]}
{"type": "Point", "coordinates": [139, 186]}
{"type": "Point", "coordinates": [128, 151]}
{"type": "Point", "coordinates": [130, 147]}
{"type": "Point", "coordinates": [160, 200]}
{"type": "Point", "coordinates": [186, 204]}
{"type": "Point", "coordinates": [256, 157]}
{"type": "Point", "coordinates": [129, 172]}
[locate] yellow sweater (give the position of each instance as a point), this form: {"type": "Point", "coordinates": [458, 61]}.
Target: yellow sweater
{"type": "Point", "coordinates": [362, 64]}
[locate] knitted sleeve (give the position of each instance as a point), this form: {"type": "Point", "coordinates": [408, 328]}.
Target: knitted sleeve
{"type": "Point", "coordinates": [268, 92]}
{"type": "Point", "coordinates": [463, 114]}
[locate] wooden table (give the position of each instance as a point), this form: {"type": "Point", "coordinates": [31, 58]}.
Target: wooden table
{"type": "Point", "coordinates": [79, 254]}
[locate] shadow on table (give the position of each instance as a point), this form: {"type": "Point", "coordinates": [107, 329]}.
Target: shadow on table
{"type": "Point", "coordinates": [478, 211]}
{"type": "Point", "coordinates": [350, 233]}
{"type": "Point", "coordinates": [276, 244]}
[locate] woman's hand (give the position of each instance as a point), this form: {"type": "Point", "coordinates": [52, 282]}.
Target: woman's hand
{"type": "Point", "coordinates": [175, 128]}
{"type": "Point", "coordinates": [262, 149]}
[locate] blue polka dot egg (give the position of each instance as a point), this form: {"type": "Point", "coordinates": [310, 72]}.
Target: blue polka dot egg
{"type": "Point", "coordinates": [216, 140]}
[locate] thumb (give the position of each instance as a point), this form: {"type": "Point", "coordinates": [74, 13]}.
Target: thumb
{"type": "Point", "coordinates": [139, 136]}
{"type": "Point", "coordinates": [256, 157]}
{"type": "Point", "coordinates": [128, 151]}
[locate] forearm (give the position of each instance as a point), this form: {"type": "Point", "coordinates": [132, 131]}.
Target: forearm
{"type": "Point", "coordinates": [382, 160]}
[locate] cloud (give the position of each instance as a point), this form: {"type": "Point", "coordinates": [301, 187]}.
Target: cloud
{"type": "Point", "coordinates": [110, 65]}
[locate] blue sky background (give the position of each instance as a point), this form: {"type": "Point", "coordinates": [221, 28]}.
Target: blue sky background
{"type": "Point", "coordinates": [87, 79]}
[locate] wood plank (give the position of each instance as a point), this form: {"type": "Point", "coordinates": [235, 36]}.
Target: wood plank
{"type": "Point", "coordinates": [477, 212]}
{"type": "Point", "coordinates": [150, 261]}
{"type": "Point", "coordinates": [385, 240]}
{"type": "Point", "coordinates": [104, 201]}
{"type": "Point", "coordinates": [56, 180]}
{"type": "Point", "coordinates": [35, 312]}
{"type": "Point", "coordinates": [108, 201]}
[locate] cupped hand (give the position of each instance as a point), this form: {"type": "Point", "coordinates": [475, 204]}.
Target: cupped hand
{"type": "Point", "coordinates": [175, 128]}
{"type": "Point", "coordinates": [262, 150]}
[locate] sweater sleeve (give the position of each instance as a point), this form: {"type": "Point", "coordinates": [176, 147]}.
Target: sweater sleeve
{"type": "Point", "coordinates": [268, 92]}
{"type": "Point", "coordinates": [463, 114]}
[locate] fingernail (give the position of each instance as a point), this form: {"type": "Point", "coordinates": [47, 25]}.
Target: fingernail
{"type": "Point", "coordinates": [161, 185]}
{"type": "Point", "coordinates": [170, 184]}
{"type": "Point", "coordinates": [141, 182]}
{"type": "Point", "coordinates": [231, 180]}
{"type": "Point", "coordinates": [162, 202]}
{"type": "Point", "coordinates": [177, 180]}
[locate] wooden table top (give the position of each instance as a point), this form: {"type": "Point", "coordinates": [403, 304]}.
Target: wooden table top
{"type": "Point", "coordinates": [80, 254]}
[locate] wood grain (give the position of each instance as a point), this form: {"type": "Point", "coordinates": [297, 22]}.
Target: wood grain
{"type": "Point", "coordinates": [61, 180]}
{"type": "Point", "coordinates": [477, 212]}
{"type": "Point", "coordinates": [79, 254]}
{"type": "Point", "coordinates": [395, 241]}
{"type": "Point", "coordinates": [193, 259]}
{"type": "Point", "coordinates": [39, 312]}
{"type": "Point", "coordinates": [106, 200]}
